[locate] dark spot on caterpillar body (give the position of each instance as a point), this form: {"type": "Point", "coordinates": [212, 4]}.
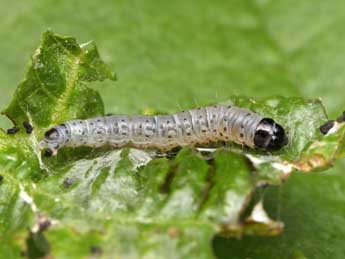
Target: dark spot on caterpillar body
{"type": "Point", "coordinates": [12, 131]}
{"type": "Point", "coordinates": [326, 127]}
{"type": "Point", "coordinates": [28, 127]}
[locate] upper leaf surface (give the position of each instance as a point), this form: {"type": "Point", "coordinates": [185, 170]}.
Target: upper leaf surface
{"type": "Point", "coordinates": [53, 89]}
{"type": "Point", "coordinates": [129, 193]}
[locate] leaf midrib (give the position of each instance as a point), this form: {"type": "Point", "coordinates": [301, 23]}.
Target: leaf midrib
{"type": "Point", "coordinates": [61, 104]}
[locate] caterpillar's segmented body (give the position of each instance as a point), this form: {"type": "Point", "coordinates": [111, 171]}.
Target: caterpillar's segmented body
{"type": "Point", "coordinates": [164, 132]}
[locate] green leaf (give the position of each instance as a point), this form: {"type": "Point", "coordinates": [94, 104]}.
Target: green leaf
{"type": "Point", "coordinates": [56, 75]}
{"type": "Point", "coordinates": [127, 203]}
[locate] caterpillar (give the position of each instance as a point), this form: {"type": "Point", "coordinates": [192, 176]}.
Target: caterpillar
{"type": "Point", "coordinates": [200, 126]}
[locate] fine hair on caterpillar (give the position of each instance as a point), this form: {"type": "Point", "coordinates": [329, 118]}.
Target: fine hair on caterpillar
{"type": "Point", "coordinates": [200, 126]}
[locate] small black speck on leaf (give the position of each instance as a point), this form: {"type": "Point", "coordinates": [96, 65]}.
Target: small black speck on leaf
{"type": "Point", "coordinates": [44, 224]}
{"type": "Point", "coordinates": [326, 127]}
{"type": "Point", "coordinates": [341, 118]}
{"type": "Point", "coordinates": [48, 152]}
{"type": "Point", "coordinates": [12, 131]}
{"type": "Point", "coordinates": [96, 250]}
{"type": "Point", "coordinates": [28, 127]}
{"type": "Point", "coordinates": [23, 253]}
{"type": "Point", "coordinates": [67, 182]}
{"type": "Point", "coordinates": [1, 178]}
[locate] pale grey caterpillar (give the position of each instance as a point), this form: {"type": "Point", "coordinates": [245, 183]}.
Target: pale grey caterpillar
{"type": "Point", "coordinates": [200, 126]}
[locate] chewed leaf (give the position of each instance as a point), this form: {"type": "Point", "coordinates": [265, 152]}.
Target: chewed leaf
{"type": "Point", "coordinates": [53, 88]}
{"type": "Point", "coordinates": [322, 153]}
{"type": "Point", "coordinates": [128, 203]}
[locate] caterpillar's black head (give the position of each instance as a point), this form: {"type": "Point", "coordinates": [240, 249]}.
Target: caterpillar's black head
{"type": "Point", "coordinates": [269, 135]}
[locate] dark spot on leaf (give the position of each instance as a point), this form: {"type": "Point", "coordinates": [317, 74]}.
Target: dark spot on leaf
{"type": "Point", "coordinates": [28, 127]}
{"type": "Point", "coordinates": [96, 250]}
{"type": "Point", "coordinates": [48, 152]}
{"type": "Point", "coordinates": [1, 178]}
{"type": "Point", "coordinates": [67, 182]}
{"type": "Point", "coordinates": [37, 245]}
{"type": "Point", "coordinates": [12, 131]}
{"type": "Point", "coordinates": [326, 127]}
{"type": "Point", "coordinates": [43, 224]}
{"type": "Point", "coordinates": [341, 118]}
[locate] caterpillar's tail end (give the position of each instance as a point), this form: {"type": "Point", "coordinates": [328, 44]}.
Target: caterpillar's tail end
{"type": "Point", "coordinates": [51, 142]}
{"type": "Point", "coordinates": [47, 151]}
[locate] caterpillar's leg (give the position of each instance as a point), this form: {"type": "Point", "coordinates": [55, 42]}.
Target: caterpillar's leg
{"type": "Point", "coordinates": [169, 153]}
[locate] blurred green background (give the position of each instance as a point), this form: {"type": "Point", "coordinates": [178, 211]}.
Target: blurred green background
{"type": "Point", "coordinates": [172, 55]}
